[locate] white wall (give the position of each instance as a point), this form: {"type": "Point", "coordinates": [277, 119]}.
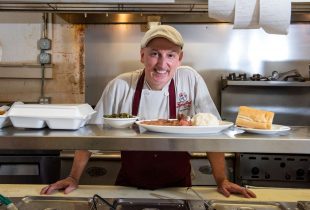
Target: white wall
{"type": "Point", "coordinates": [19, 33]}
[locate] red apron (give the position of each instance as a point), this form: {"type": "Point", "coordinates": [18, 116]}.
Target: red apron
{"type": "Point", "coordinates": [152, 170]}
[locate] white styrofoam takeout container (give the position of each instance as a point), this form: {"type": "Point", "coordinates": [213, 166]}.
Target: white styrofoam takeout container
{"type": "Point", "coordinates": [55, 116]}
{"type": "Point", "coordinates": [4, 120]}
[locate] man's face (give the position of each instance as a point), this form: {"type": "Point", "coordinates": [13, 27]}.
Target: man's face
{"type": "Point", "coordinates": [161, 59]}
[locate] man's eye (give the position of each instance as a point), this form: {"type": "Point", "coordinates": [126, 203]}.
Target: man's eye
{"type": "Point", "coordinates": [154, 54]}
{"type": "Point", "coordinates": [171, 55]}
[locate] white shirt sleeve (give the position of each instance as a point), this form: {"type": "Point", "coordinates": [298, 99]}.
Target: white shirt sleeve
{"type": "Point", "coordinates": [203, 101]}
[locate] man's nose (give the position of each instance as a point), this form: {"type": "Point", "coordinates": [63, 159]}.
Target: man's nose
{"type": "Point", "coordinates": [162, 61]}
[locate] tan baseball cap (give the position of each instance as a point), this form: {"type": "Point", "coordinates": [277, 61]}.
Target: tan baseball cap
{"type": "Point", "coordinates": [163, 31]}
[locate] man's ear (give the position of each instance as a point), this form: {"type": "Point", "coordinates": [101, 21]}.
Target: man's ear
{"type": "Point", "coordinates": [142, 55]}
{"type": "Point", "coordinates": [181, 56]}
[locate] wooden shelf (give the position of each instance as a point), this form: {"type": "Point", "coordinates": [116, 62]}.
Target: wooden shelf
{"type": "Point", "coordinates": [25, 70]}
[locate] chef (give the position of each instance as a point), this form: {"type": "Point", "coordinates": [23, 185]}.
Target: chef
{"type": "Point", "coordinates": [162, 89]}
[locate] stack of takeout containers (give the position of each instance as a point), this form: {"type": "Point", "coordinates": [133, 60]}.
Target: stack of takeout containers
{"type": "Point", "coordinates": [55, 116]}
{"type": "Point", "coordinates": [4, 120]}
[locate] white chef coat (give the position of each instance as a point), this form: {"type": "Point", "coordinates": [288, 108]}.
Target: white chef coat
{"type": "Point", "coordinates": [192, 96]}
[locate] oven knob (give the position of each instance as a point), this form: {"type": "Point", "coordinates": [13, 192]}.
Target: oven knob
{"type": "Point", "coordinates": [205, 169]}
{"type": "Point", "coordinates": [255, 170]}
{"type": "Point", "coordinates": [287, 176]}
{"type": "Point", "coordinates": [232, 76]}
{"type": "Point", "coordinates": [300, 172]}
{"type": "Point", "coordinates": [242, 76]}
{"type": "Point", "coordinates": [267, 175]}
{"type": "Point", "coordinates": [96, 171]}
{"type": "Point", "coordinates": [255, 77]}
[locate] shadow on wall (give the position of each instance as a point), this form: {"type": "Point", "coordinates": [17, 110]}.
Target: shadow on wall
{"type": "Point", "coordinates": [96, 83]}
{"type": "Point", "coordinates": [212, 78]}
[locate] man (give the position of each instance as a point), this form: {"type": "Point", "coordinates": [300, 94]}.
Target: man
{"type": "Point", "coordinates": [162, 89]}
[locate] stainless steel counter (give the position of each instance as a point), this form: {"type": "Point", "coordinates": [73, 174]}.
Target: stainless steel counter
{"type": "Point", "coordinates": [99, 137]}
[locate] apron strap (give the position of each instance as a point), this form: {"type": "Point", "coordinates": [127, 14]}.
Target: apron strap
{"type": "Point", "coordinates": [137, 96]}
{"type": "Point", "coordinates": [138, 92]}
{"type": "Point", "coordinates": [172, 101]}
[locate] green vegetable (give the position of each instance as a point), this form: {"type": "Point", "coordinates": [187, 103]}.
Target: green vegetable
{"type": "Point", "coordinates": [121, 115]}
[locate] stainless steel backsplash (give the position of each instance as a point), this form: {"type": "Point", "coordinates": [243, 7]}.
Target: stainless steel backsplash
{"type": "Point", "coordinates": [212, 49]}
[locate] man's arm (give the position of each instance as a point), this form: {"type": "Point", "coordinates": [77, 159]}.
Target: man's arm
{"type": "Point", "coordinates": [224, 186]}
{"type": "Point", "coordinates": [70, 183]}
{"type": "Point", "coordinates": [217, 160]}
{"type": "Point", "coordinates": [80, 161]}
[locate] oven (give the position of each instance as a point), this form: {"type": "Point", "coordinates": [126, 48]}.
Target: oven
{"type": "Point", "coordinates": [290, 100]}
{"type": "Point", "coordinates": [29, 167]}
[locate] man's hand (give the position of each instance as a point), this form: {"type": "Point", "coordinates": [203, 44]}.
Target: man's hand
{"type": "Point", "coordinates": [68, 185]}
{"type": "Point", "coordinates": [226, 188]}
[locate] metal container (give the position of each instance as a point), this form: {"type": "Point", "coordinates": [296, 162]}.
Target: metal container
{"type": "Point", "coordinates": [243, 205]}
{"type": "Point", "coordinates": [303, 205]}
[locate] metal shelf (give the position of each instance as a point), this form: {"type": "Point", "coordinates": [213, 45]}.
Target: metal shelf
{"type": "Point", "coordinates": [129, 6]}
{"type": "Point", "coordinates": [108, 11]}
{"type": "Point", "coordinates": [266, 83]}
{"type": "Point", "coordinates": [95, 6]}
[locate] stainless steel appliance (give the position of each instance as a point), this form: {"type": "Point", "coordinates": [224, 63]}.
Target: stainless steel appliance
{"type": "Point", "coordinates": [277, 170]}
{"type": "Point", "coordinates": [164, 203]}
{"type": "Point", "coordinates": [103, 168]}
{"type": "Point", "coordinates": [29, 167]}
{"type": "Point", "coordinates": [202, 170]}
{"type": "Point", "coordinates": [286, 94]}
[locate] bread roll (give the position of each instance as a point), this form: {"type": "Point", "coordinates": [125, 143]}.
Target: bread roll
{"type": "Point", "coordinates": [254, 118]}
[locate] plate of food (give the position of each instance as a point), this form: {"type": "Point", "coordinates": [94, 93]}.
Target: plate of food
{"type": "Point", "coordinates": [275, 129]}
{"type": "Point", "coordinates": [199, 124]}
{"type": "Point", "coordinates": [122, 120]}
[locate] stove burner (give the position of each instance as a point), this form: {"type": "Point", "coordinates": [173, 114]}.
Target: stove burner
{"type": "Point", "coordinates": [258, 77]}
{"type": "Point", "coordinates": [292, 75]}
{"type": "Point", "coordinates": [233, 76]}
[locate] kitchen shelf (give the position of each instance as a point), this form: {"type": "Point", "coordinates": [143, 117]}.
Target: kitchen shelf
{"type": "Point", "coordinates": [108, 11]}
{"type": "Point", "coordinates": [179, 6]}
{"type": "Point", "coordinates": [267, 83]}
{"type": "Point", "coordinates": [99, 6]}
{"type": "Point", "coordinates": [25, 70]}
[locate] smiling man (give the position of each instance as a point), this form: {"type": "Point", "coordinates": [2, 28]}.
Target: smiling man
{"type": "Point", "coordinates": [161, 59]}
{"type": "Point", "coordinates": [162, 89]}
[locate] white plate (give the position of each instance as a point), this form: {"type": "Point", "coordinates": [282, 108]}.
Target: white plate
{"type": "Point", "coordinates": [275, 129]}
{"type": "Point", "coordinates": [187, 129]}
{"type": "Point", "coordinates": [120, 122]}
